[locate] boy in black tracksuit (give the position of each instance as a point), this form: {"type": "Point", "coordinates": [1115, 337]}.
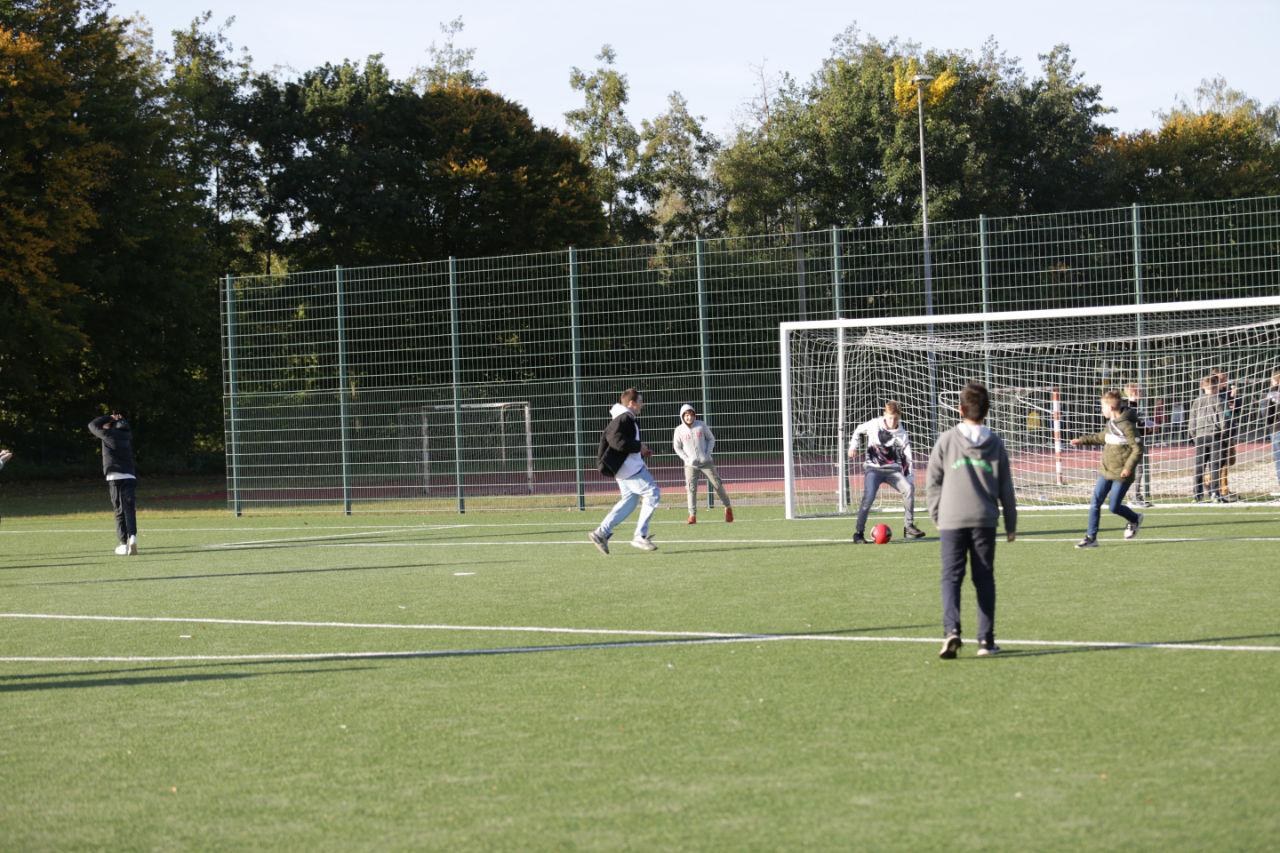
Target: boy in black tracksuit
{"type": "Point", "coordinates": [122, 477]}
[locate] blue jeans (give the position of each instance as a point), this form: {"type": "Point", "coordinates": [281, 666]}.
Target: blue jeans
{"type": "Point", "coordinates": [871, 480]}
{"type": "Point", "coordinates": [1275, 453]}
{"type": "Point", "coordinates": [638, 488]}
{"type": "Point", "coordinates": [977, 545]}
{"type": "Point", "coordinates": [1115, 503]}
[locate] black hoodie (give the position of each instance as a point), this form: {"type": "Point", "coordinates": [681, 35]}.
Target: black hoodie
{"type": "Point", "coordinates": [117, 445]}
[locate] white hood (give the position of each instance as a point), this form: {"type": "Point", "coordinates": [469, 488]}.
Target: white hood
{"type": "Point", "coordinates": [618, 409]}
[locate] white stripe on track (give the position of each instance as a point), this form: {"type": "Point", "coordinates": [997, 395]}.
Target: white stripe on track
{"type": "Point", "coordinates": [660, 638]}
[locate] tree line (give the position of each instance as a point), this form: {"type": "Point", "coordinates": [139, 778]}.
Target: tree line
{"type": "Point", "coordinates": [133, 177]}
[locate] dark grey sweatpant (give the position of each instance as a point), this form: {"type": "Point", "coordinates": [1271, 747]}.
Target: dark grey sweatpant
{"type": "Point", "coordinates": [977, 545]}
{"type": "Point", "coordinates": [123, 501]}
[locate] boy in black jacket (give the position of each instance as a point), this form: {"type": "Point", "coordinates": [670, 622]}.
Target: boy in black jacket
{"type": "Point", "coordinates": [122, 477]}
{"type": "Point", "coordinates": [621, 455]}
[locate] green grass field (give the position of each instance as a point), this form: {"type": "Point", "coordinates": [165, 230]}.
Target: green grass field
{"type": "Point", "coordinates": [492, 682]}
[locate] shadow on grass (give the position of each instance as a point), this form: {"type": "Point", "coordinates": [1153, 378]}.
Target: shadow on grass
{"type": "Point", "coordinates": [76, 680]}
{"type": "Point", "coordinates": [265, 573]}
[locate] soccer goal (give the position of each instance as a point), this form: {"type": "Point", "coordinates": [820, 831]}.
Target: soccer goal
{"type": "Point", "coordinates": [1045, 370]}
{"type": "Point", "coordinates": [489, 445]}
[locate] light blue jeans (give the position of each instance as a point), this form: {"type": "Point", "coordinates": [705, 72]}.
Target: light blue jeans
{"type": "Point", "coordinates": [1275, 453]}
{"type": "Point", "coordinates": [871, 480]}
{"type": "Point", "coordinates": [638, 488]}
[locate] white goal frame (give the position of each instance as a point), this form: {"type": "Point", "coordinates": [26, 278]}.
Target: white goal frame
{"type": "Point", "coordinates": [503, 406]}
{"type": "Point", "coordinates": [981, 323]}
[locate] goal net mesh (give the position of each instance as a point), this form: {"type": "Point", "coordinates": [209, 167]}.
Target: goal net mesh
{"type": "Point", "coordinates": [1045, 371]}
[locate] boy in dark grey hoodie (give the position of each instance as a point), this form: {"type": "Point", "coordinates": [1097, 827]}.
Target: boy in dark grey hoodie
{"type": "Point", "coordinates": [122, 477]}
{"type": "Point", "coordinates": [969, 483]}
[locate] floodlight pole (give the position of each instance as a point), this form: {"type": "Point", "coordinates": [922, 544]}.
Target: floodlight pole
{"type": "Point", "coordinates": [920, 80]}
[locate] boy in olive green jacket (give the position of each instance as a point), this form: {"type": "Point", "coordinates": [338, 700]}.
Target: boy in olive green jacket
{"type": "Point", "coordinates": [1121, 453]}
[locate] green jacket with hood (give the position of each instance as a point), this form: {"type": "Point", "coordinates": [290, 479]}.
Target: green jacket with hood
{"type": "Point", "coordinates": [1122, 445]}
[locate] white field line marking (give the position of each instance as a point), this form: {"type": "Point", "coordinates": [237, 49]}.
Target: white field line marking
{"type": "Point", "coordinates": [662, 638]}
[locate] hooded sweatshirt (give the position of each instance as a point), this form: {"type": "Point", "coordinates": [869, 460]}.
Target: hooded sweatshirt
{"type": "Point", "coordinates": [693, 443]}
{"type": "Point", "coordinates": [1122, 445]}
{"type": "Point", "coordinates": [969, 480]}
{"type": "Point", "coordinates": [117, 447]}
{"type": "Point", "coordinates": [619, 451]}
{"type": "Point", "coordinates": [887, 449]}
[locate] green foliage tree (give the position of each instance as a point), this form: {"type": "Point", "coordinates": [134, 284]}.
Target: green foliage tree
{"type": "Point", "coordinates": [610, 145]}
{"type": "Point", "coordinates": [674, 173]}
{"type": "Point", "coordinates": [1224, 144]}
{"type": "Point", "coordinates": [450, 65]}
{"type": "Point", "coordinates": [365, 169]}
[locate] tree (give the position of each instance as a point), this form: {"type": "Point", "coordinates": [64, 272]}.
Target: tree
{"type": "Point", "coordinates": [92, 194]}
{"type": "Point", "coordinates": [450, 65]}
{"type": "Point", "coordinates": [1222, 145]}
{"type": "Point", "coordinates": [366, 170]}
{"type": "Point", "coordinates": [610, 145]}
{"type": "Point", "coordinates": [50, 165]}
{"type": "Point", "coordinates": [674, 173]}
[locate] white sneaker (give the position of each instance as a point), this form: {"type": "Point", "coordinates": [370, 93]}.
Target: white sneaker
{"type": "Point", "coordinates": [122, 550]}
{"type": "Point", "coordinates": [133, 545]}
{"type": "Point", "coordinates": [601, 542]}
{"type": "Point", "coordinates": [644, 543]}
{"type": "Point", "coordinates": [1131, 529]}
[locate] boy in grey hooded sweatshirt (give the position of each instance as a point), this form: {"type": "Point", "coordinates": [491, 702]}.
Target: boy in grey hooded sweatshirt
{"type": "Point", "coordinates": [693, 442]}
{"type": "Point", "coordinates": [969, 483]}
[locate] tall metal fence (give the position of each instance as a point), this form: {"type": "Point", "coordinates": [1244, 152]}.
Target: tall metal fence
{"type": "Point", "coordinates": [483, 383]}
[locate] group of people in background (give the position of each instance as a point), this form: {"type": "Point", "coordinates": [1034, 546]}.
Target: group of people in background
{"type": "Point", "coordinates": [1214, 428]}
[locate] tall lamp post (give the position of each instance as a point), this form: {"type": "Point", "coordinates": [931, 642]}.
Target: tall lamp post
{"type": "Point", "coordinates": [920, 80]}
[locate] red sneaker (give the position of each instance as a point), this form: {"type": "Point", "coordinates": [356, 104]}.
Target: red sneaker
{"type": "Point", "coordinates": [693, 519]}
{"type": "Point", "coordinates": [728, 515]}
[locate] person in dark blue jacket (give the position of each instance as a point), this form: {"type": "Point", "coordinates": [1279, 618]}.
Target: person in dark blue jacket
{"type": "Point", "coordinates": [122, 477]}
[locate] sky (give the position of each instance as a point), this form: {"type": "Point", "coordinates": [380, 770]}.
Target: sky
{"type": "Point", "coordinates": [1145, 55]}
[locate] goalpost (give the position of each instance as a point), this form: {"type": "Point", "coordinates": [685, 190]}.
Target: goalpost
{"type": "Point", "coordinates": [494, 446]}
{"type": "Point", "coordinates": [1045, 370]}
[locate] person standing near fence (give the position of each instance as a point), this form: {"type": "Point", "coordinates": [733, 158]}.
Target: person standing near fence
{"type": "Point", "coordinates": [1205, 425]}
{"type": "Point", "coordinates": [693, 442]}
{"type": "Point", "coordinates": [622, 455]}
{"type": "Point", "coordinates": [122, 477]}
{"type": "Point", "coordinates": [1142, 479]}
{"type": "Point", "coordinates": [1230, 432]}
{"type": "Point", "coordinates": [1271, 418]}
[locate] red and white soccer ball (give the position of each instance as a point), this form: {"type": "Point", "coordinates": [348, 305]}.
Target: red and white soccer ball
{"type": "Point", "coordinates": [881, 534]}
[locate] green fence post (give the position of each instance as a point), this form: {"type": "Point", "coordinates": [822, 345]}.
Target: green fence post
{"type": "Point", "coordinates": [704, 358]}
{"type": "Point", "coordinates": [986, 299]}
{"type": "Point", "coordinates": [233, 437]}
{"type": "Point", "coordinates": [1137, 293]}
{"type": "Point", "coordinates": [455, 346]}
{"type": "Point", "coordinates": [842, 380]}
{"type": "Point", "coordinates": [342, 397]}
{"type": "Point", "coordinates": [575, 336]}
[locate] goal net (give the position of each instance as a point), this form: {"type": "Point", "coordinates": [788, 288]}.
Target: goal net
{"type": "Point", "coordinates": [489, 445]}
{"type": "Point", "coordinates": [1045, 371]}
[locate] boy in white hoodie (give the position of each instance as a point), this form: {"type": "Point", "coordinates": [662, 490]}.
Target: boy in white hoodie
{"type": "Point", "coordinates": [693, 441]}
{"type": "Point", "coordinates": [888, 460]}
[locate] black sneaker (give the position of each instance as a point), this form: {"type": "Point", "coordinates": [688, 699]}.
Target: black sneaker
{"type": "Point", "coordinates": [912, 532]}
{"type": "Point", "coordinates": [949, 647]}
{"type": "Point", "coordinates": [1088, 542]}
{"type": "Point", "coordinates": [859, 539]}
